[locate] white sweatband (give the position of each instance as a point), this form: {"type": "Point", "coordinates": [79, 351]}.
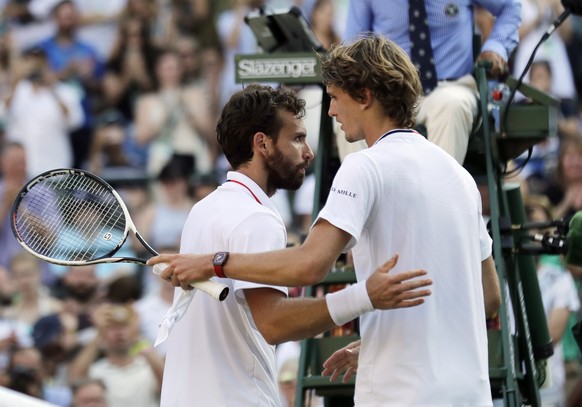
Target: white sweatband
{"type": "Point", "coordinates": [349, 303]}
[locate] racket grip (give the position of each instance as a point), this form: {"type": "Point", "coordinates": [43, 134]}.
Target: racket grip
{"type": "Point", "coordinates": [215, 289]}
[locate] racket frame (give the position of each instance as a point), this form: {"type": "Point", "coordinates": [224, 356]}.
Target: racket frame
{"type": "Point", "coordinates": [217, 290]}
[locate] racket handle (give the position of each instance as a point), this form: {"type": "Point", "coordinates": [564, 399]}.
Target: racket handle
{"type": "Point", "coordinates": [216, 290]}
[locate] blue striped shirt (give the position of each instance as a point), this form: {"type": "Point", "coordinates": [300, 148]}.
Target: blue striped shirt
{"type": "Point", "coordinates": [451, 25]}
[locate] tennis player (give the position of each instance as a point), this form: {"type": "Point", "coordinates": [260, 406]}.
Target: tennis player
{"type": "Point", "coordinates": [402, 194]}
{"type": "Point", "coordinates": [222, 353]}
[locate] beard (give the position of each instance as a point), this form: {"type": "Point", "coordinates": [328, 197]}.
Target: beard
{"type": "Point", "coordinates": [283, 174]}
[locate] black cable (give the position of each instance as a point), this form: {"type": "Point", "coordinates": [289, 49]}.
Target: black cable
{"type": "Point", "coordinates": [546, 35]}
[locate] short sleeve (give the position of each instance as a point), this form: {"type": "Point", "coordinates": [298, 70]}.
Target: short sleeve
{"type": "Point", "coordinates": [352, 195]}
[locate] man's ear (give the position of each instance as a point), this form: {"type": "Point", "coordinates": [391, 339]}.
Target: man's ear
{"type": "Point", "coordinates": [262, 142]}
{"type": "Point", "coordinates": [366, 99]}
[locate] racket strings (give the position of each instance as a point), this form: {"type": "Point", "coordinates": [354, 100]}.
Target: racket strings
{"type": "Point", "coordinates": [71, 217]}
{"type": "Point", "coordinates": [94, 225]}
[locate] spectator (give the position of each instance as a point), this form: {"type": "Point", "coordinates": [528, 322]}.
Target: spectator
{"type": "Point", "coordinates": [56, 337]}
{"type": "Point", "coordinates": [537, 16]}
{"type": "Point", "coordinates": [235, 38]}
{"type": "Point", "coordinates": [131, 371]}
{"type": "Point", "coordinates": [89, 393]}
{"type": "Point", "coordinates": [322, 23]}
{"type": "Point", "coordinates": [187, 18]}
{"type": "Point", "coordinates": [189, 50]}
{"type": "Point", "coordinates": [574, 48]}
{"type": "Point", "coordinates": [212, 64]}
{"type": "Point", "coordinates": [98, 22]}
{"type": "Point", "coordinates": [162, 221]}
{"type": "Point", "coordinates": [203, 185]}
{"type": "Point", "coordinates": [79, 291]}
{"type": "Point", "coordinates": [174, 120]}
{"type": "Point", "coordinates": [24, 373]}
{"type": "Point", "coordinates": [41, 113]}
{"type": "Point", "coordinates": [129, 71]}
{"type": "Point", "coordinates": [14, 176]}
{"type": "Point", "coordinates": [145, 10]}
{"type": "Point", "coordinates": [123, 287]}
{"type": "Point", "coordinates": [565, 190]}
{"type": "Point", "coordinates": [111, 147]}
{"type": "Point", "coordinates": [13, 334]}
{"type": "Point", "coordinates": [32, 299]}
{"type": "Point", "coordinates": [560, 299]}
{"type": "Point", "coordinates": [541, 76]}
{"type": "Point", "coordinates": [543, 158]}
{"type": "Point", "coordinates": [7, 59]}
{"type": "Point", "coordinates": [77, 63]}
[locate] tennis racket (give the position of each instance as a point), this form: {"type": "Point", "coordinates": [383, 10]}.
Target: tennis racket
{"type": "Point", "coordinates": [73, 218]}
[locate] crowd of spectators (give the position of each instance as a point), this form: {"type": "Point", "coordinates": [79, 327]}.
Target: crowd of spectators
{"type": "Point", "coordinates": [131, 90]}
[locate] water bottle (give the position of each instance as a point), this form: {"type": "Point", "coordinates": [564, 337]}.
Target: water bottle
{"type": "Point", "coordinates": [498, 97]}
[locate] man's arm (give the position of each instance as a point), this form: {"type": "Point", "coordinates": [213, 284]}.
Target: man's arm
{"type": "Point", "coordinates": [298, 266]}
{"type": "Point", "coordinates": [281, 319]}
{"type": "Point", "coordinates": [504, 35]}
{"type": "Point", "coordinates": [491, 290]}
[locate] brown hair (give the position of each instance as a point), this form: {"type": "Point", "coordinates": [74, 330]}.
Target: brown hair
{"type": "Point", "coordinates": [378, 64]}
{"type": "Point", "coordinates": [249, 111]}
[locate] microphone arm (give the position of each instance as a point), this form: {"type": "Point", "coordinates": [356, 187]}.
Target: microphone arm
{"type": "Point", "coordinates": [557, 22]}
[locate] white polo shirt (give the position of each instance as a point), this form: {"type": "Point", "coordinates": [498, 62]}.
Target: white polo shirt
{"type": "Point", "coordinates": [406, 195]}
{"type": "Point", "coordinates": [216, 355]}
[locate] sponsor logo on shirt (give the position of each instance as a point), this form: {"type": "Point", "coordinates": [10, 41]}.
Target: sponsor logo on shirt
{"type": "Point", "coordinates": [344, 192]}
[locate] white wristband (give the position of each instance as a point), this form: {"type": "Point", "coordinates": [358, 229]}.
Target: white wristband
{"type": "Point", "coordinates": [349, 303]}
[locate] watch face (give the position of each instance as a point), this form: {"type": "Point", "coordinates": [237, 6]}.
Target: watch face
{"type": "Point", "coordinates": [219, 258]}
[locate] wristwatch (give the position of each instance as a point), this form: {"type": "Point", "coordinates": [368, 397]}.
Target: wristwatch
{"type": "Point", "coordinates": [218, 261]}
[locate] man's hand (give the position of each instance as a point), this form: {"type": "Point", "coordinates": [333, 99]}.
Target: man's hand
{"type": "Point", "coordinates": [342, 360]}
{"type": "Point", "coordinates": [183, 269]}
{"type": "Point", "coordinates": [499, 68]}
{"type": "Point", "coordinates": [388, 291]}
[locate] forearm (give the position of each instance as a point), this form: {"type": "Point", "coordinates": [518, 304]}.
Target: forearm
{"type": "Point", "coordinates": [281, 319]}
{"type": "Point", "coordinates": [297, 266]}
{"type": "Point", "coordinates": [298, 318]}
{"type": "Point", "coordinates": [80, 364]}
{"type": "Point", "coordinates": [491, 288]}
{"type": "Point", "coordinates": [291, 267]}
{"type": "Point", "coordinates": [62, 106]}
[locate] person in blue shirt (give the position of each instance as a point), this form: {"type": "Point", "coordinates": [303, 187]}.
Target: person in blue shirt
{"type": "Point", "coordinates": [76, 63]}
{"type": "Point", "coordinates": [449, 110]}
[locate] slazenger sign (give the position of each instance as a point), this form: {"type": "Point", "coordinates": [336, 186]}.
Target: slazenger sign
{"type": "Point", "coordinates": [285, 68]}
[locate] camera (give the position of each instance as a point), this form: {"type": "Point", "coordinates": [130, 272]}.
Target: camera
{"type": "Point", "coordinates": [36, 75]}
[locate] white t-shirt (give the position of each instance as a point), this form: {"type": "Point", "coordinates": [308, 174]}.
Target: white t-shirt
{"type": "Point", "coordinates": [406, 195]}
{"type": "Point", "coordinates": [216, 356]}
{"type": "Point", "coordinates": [36, 120]}
{"type": "Point", "coordinates": [131, 385]}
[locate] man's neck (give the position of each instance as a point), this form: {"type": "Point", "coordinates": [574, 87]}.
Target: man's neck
{"type": "Point", "coordinates": [65, 38]}
{"type": "Point", "coordinates": [373, 137]}
{"type": "Point", "coordinates": [259, 176]}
